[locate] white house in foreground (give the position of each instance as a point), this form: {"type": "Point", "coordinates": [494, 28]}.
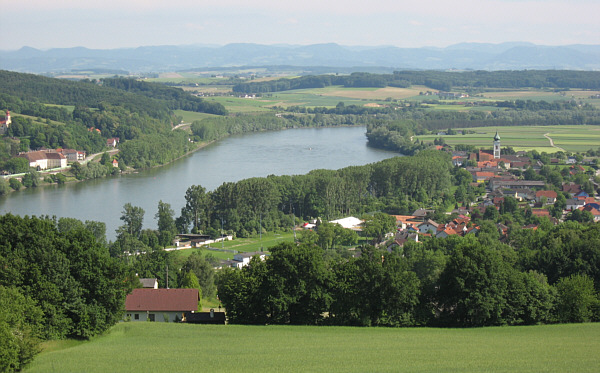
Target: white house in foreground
{"type": "Point", "coordinates": [160, 304]}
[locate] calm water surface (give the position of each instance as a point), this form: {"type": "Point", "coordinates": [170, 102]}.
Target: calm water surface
{"type": "Point", "coordinates": [288, 152]}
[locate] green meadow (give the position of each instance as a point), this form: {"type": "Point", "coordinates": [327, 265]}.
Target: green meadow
{"type": "Point", "coordinates": [191, 116]}
{"type": "Point", "coordinates": [243, 245]}
{"type": "Point", "coordinates": [569, 138]}
{"type": "Point", "coordinates": [169, 347]}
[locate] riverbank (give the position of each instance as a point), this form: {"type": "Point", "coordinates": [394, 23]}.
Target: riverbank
{"type": "Point", "coordinates": [72, 179]}
{"type": "Point", "coordinates": [289, 152]}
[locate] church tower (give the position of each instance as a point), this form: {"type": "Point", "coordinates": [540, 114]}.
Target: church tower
{"type": "Point", "coordinates": [496, 146]}
{"type": "Point", "coordinates": [5, 123]}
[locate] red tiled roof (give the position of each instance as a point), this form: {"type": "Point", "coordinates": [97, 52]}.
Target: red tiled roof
{"type": "Point", "coordinates": [546, 193]}
{"type": "Point", "coordinates": [484, 174]}
{"type": "Point", "coordinates": [54, 156]}
{"type": "Point", "coordinates": [571, 188]}
{"type": "Point", "coordinates": [487, 164]}
{"type": "Point", "coordinates": [404, 218]}
{"type": "Point", "coordinates": [162, 300]}
{"type": "Point", "coordinates": [41, 154]}
{"type": "Point", "coordinates": [540, 212]}
{"type": "Point", "coordinates": [591, 209]}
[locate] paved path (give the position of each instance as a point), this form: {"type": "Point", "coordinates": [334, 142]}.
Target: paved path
{"type": "Point", "coordinates": [90, 158]}
{"type": "Point", "coordinates": [552, 142]}
{"type": "Point", "coordinates": [179, 126]}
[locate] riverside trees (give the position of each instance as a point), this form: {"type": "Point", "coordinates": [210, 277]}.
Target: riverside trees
{"type": "Point", "coordinates": [248, 206]}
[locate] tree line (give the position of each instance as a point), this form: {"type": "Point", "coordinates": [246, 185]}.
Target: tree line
{"type": "Point", "coordinates": [453, 282]}
{"type": "Point", "coordinates": [444, 81]}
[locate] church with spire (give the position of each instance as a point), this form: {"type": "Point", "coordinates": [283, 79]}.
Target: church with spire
{"type": "Point", "coordinates": [5, 123]}
{"type": "Point", "coordinates": [497, 146]}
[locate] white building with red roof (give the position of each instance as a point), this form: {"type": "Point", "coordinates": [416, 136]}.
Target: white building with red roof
{"type": "Point", "coordinates": [169, 305]}
{"type": "Point", "coordinates": [44, 160]}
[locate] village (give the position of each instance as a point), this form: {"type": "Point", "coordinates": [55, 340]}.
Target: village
{"type": "Point", "coordinates": [493, 170]}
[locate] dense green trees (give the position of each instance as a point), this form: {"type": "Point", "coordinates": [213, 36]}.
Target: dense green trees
{"type": "Point", "coordinates": [133, 217]}
{"type": "Point", "coordinates": [166, 223]}
{"type": "Point", "coordinates": [458, 281]}
{"type": "Point", "coordinates": [251, 205]}
{"type": "Point", "coordinates": [196, 207]}
{"type": "Point", "coordinates": [577, 299]}
{"type": "Point", "coordinates": [288, 288]}
{"type": "Point", "coordinates": [20, 329]}
{"type": "Point", "coordinates": [67, 274]}
{"type": "Point", "coordinates": [202, 267]}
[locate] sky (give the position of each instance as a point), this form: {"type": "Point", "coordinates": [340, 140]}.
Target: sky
{"type": "Point", "coordinates": [109, 24]}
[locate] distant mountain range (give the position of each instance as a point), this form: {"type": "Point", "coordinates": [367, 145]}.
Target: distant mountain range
{"type": "Point", "coordinates": [477, 56]}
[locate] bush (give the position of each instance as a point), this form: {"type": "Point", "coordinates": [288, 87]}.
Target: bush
{"type": "Point", "coordinates": [576, 299]}
{"type": "Point", "coordinates": [15, 183]}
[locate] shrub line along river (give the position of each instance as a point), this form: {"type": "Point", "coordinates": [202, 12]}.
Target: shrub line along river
{"type": "Point", "coordinates": [286, 152]}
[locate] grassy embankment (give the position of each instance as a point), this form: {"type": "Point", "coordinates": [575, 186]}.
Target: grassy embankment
{"type": "Point", "coordinates": [161, 347]}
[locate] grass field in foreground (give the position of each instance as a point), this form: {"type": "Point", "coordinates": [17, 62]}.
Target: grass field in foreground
{"type": "Point", "coordinates": [164, 347]}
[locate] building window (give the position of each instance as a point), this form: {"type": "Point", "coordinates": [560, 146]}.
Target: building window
{"type": "Point", "coordinates": [151, 317]}
{"type": "Point", "coordinates": [136, 316]}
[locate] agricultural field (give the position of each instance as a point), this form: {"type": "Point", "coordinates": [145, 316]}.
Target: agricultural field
{"type": "Point", "coordinates": [567, 138]}
{"type": "Point", "coordinates": [243, 105]}
{"type": "Point", "coordinates": [160, 347]}
{"type": "Point", "coordinates": [211, 82]}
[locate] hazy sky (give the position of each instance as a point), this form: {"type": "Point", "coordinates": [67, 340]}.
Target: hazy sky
{"type": "Point", "coordinates": [109, 24]}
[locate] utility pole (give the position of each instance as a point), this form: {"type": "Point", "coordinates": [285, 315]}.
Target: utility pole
{"type": "Point", "coordinates": [293, 220]}
{"type": "Point", "coordinates": [222, 243]}
{"type": "Point", "coordinates": [260, 235]}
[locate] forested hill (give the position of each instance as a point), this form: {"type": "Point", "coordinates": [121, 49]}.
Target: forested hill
{"type": "Point", "coordinates": [175, 98]}
{"type": "Point", "coordinates": [440, 80]}
{"type": "Point", "coordinates": [56, 113]}
{"type": "Point", "coordinates": [152, 99]}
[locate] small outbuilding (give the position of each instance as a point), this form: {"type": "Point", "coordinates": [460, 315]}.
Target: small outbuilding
{"type": "Point", "coordinates": [212, 317]}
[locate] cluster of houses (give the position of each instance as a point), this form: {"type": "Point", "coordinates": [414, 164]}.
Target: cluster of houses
{"type": "Point", "coordinates": [45, 159]}
{"type": "Point", "coordinates": [411, 227]}
{"type": "Point", "coordinates": [491, 168]}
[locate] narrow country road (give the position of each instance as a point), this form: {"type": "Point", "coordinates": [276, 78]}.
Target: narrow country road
{"type": "Point", "coordinates": [91, 157]}
{"type": "Point", "coordinates": [552, 142]}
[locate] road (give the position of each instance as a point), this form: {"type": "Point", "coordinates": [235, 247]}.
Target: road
{"type": "Point", "coordinates": [552, 142]}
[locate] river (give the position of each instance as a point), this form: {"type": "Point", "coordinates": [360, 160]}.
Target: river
{"type": "Point", "coordinates": [286, 152]}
